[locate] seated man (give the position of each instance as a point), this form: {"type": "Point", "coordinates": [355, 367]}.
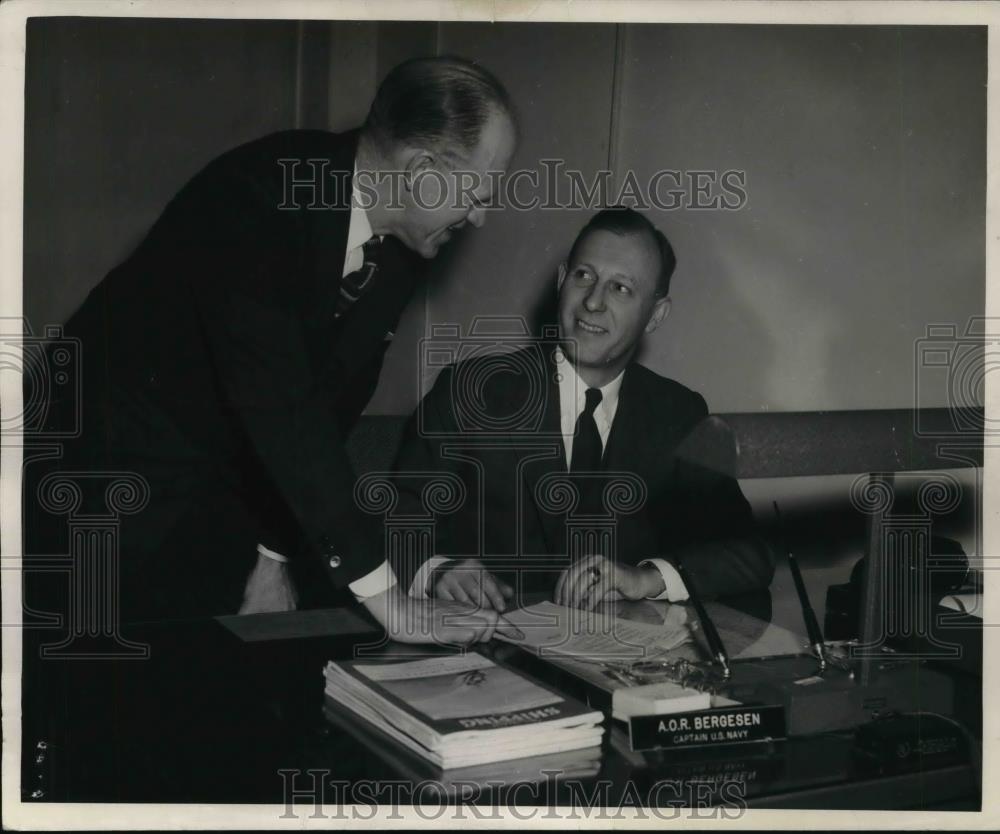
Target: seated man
{"type": "Point", "coordinates": [580, 412]}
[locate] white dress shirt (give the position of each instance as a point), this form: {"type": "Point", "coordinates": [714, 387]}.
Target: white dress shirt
{"type": "Point", "coordinates": [572, 400]}
{"type": "Point", "coordinates": [359, 232]}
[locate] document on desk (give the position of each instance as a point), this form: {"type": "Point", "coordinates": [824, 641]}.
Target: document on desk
{"type": "Point", "coordinates": [554, 630]}
{"type": "Point", "coordinates": [443, 687]}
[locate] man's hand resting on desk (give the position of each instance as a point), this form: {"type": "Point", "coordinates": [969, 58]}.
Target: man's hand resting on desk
{"type": "Point", "coordinates": [579, 587]}
{"type": "Point", "coordinates": [412, 620]}
{"type": "Point", "coordinates": [269, 588]}
{"type": "Point", "coordinates": [468, 581]}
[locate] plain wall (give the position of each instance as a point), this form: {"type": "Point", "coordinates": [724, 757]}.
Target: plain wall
{"type": "Point", "coordinates": [863, 150]}
{"type": "Point", "coordinates": [119, 114]}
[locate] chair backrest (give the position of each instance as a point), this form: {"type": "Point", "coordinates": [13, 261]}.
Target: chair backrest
{"type": "Point", "coordinates": [791, 444]}
{"type": "Point", "coordinates": [777, 445]}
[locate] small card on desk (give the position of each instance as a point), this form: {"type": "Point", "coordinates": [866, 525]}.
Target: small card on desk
{"type": "Point", "coordinates": [657, 699]}
{"type": "Point", "coordinates": [728, 725]}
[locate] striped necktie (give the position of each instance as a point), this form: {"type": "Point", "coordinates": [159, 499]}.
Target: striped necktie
{"type": "Point", "coordinates": [355, 284]}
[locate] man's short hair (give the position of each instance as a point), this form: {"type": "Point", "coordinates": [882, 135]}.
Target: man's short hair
{"type": "Point", "coordinates": [622, 220]}
{"type": "Point", "coordinates": [436, 103]}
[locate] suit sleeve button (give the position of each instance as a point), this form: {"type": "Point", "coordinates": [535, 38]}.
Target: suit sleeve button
{"type": "Point", "coordinates": [334, 561]}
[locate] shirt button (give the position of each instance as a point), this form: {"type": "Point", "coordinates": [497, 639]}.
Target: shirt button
{"type": "Point", "coordinates": [334, 561]}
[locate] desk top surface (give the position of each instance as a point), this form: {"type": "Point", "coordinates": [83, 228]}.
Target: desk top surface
{"type": "Point", "coordinates": [224, 710]}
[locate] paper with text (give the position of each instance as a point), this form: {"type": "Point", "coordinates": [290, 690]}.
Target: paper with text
{"type": "Point", "coordinates": [551, 629]}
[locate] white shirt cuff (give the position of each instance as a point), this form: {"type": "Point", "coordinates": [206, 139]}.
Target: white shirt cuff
{"type": "Point", "coordinates": [372, 584]}
{"type": "Point", "coordinates": [419, 586]}
{"type": "Point", "coordinates": [263, 551]}
{"type": "Point", "coordinates": [674, 590]}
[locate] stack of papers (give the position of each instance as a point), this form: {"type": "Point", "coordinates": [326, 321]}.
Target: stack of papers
{"type": "Point", "coordinates": [462, 710]}
{"type": "Point", "coordinates": [575, 639]}
{"type": "Point", "coordinates": [552, 630]}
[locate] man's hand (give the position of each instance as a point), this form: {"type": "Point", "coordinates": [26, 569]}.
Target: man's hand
{"type": "Point", "coordinates": [410, 620]}
{"type": "Point", "coordinates": [269, 588]}
{"type": "Point", "coordinates": [595, 579]}
{"type": "Point", "coordinates": [469, 581]}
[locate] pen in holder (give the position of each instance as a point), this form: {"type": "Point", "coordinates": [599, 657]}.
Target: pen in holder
{"type": "Point", "coordinates": [715, 644]}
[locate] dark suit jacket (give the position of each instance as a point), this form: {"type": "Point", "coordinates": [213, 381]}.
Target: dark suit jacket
{"type": "Point", "coordinates": [499, 433]}
{"type": "Point", "coordinates": [214, 368]}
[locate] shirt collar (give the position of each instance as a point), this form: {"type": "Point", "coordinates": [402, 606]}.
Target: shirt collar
{"type": "Point", "coordinates": [573, 388]}
{"type": "Point", "coordinates": [359, 230]}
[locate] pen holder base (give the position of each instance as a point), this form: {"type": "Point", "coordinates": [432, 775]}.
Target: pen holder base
{"type": "Point", "coordinates": [837, 699]}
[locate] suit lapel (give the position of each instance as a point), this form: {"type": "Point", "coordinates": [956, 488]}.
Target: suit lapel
{"type": "Point", "coordinates": [368, 324]}
{"type": "Point", "coordinates": [646, 431]}
{"type": "Point", "coordinates": [547, 457]}
{"type": "Point", "coordinates": [325, 247]}
{"type": "Point", "coordinates": [631, 431]}
{"type": "Point", "coordinates": [327, 227]}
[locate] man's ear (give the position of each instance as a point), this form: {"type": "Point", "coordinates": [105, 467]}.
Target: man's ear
{"type": "Point", "coordinates": [661, 309]}
{"type": "Point", "coordinates": [414, 161]}
{"type": "Point", "coordinates": [561, 276]}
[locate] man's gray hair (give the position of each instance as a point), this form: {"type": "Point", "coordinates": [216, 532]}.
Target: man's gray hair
{"type": "Point", "coordinates": [439, 103]}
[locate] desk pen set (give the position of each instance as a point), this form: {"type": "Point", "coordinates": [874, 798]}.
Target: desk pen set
{"type": "Point", "coordinates": [838, 686]}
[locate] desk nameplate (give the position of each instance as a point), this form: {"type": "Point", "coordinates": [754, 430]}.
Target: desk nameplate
{"type": "Point", "coordinates": [718, 726]}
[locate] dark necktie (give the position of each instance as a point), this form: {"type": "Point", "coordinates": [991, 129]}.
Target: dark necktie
{"type": "Point", "coordinates": [587, 449]}
{"type": "Point", "coordinates": [355, 284]}
{"type": "Point", "coordinates": [587, 454]}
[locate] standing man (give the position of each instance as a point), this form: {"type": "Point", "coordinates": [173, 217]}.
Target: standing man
{"type": "Point", "coordinates": [601, 414]}
{"type": "Point", "coordinates": [226, 360]}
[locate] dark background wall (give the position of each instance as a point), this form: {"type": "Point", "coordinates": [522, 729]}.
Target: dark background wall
{"type": "Point", "coordinates": [863, 148]}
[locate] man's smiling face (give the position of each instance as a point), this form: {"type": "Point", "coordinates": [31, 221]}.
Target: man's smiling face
{"type": "Point", "coordinates": [608, 300]}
